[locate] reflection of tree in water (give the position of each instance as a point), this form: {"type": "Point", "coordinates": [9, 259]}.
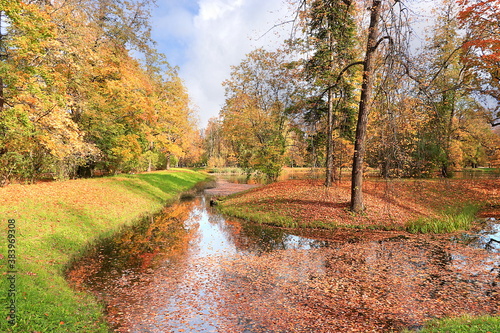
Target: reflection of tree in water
{"type": "Point", "coordinates": [122, 271]}
{"type": "Point", "coordinates": [256, 238]}
{"type": "Point", "coordinates": [136, 248]}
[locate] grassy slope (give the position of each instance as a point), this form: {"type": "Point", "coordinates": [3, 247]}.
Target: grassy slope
{"type": "Point", "coordinates": [56, 222]}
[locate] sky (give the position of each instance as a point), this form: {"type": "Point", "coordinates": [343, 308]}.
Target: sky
{"type": "Point", "coordinates": [204, 38]}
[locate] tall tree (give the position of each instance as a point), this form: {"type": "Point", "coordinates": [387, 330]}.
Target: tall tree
{"type": "Point", "coordinates": [480, 20]}
{"type": "Point", "coordinates": [331, 33]}
{"type": "Point", "coordinates": [392, 27]}
{"type": "Point", "coordinates": [357, 204]}
{"type": "Point", "coordinates": [387, 31]}
{"type": "Point", "coordinates": [255, 116]}
{"type": "Point", "coordinates": [444, 83]}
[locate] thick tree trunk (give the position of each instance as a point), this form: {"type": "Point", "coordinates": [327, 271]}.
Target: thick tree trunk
{"type": "Point", "coordinates": [357, 204]}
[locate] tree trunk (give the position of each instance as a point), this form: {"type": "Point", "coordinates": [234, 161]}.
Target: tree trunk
{"type": "Point", "coordinates": [168, 161]}
{"type": "Point", "coordinates": [329, 140]}
{"type": "Point", "coordinates": [150, 164]}
{"type": "Point", "coordinates": [445, 169]}
{"type": "Point", "coordinates": [150, 161]}
{"type": "Point", "coordinates": [1, 96]}
{"type": "Point", "coordinates": [357, 204]}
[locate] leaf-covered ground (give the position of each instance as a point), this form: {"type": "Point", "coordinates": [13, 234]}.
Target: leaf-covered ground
{"type": "Point", "coordinates": [389, 204]}
{"type": "Point", "coordinates": [224, 187]}
{"type": "Point", "coordinates": [227, 276]}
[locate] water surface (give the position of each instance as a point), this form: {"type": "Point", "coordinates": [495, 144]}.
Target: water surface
{"type": "Point", "coordinates": [191, 269]}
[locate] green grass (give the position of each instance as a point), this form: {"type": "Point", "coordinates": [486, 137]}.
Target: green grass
{"type": "Point", "coordinates": [56, 224]}
{"type": "Point", "coordinates": [464, 324]}
{"type": "Point", "coordinates": [452, 219]}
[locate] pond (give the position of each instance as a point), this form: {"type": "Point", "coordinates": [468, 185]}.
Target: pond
{"type": "Point", "coordinates": [190, 269]}
{"type": "Point", "coordinates": [319, 173]}
{"type": "Point", "coordinates": [487, 238]}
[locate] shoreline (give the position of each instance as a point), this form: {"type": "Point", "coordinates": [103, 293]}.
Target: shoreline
{"type": "Point", "coordinates": [55, 223]}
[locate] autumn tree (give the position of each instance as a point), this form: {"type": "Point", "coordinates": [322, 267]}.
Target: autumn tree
{"type": "Point", "coordinates": [254, 117]}
{"type": "Point", "coordinates": [445, 89]}
{"type": "Point", "coordinates": [330, 34]}
{"type": "Point", "coordinates": [38, 130]}
{"type": "Point", "coordinates": [175, 121]}
{"type": "Point", "coordinates": [429, 119]}
{"type": "Point", "coordinates": [438, 134]}
{"type": "Point", "coordinates": [482, 44]}
{"type": "Point", "coordinates": [384, 37]}
{"type": "Point", "coordinates": [385, 53]}
{"type": "Point", "coordinates": [74, 99]}
{"type": "Point", "coordinates": [216, 150]}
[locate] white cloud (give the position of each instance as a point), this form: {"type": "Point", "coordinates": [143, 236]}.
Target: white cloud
{"type": "Point", "coordinates": [215, 9]}
{"type": "Point", "coordinates": [207, 39]}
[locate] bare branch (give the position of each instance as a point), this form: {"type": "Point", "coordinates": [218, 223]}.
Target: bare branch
{"type": "Point", "coordinates": [340, 77]}
{"type": "Point", "coordinates": [274, 27]}
{"type": "Point", "coordinates": [381, 40]}
{"type": "Point", "coordinates": [443, 66]}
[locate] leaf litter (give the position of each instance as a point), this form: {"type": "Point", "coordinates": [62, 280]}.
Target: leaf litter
{"type": "Point", "coordinates": [221, 275]}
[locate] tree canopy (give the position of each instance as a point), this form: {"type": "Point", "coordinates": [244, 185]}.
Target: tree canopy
{"type": "Point", "coordinates": [83, 91]}
{"type": "Point", "coordinates": [75, 100]}
{"type": "Point", "coordinates": [420, 111]}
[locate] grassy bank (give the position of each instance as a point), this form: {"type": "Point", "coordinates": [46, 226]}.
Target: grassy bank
{"type": "Point", "coordinates": [417, 206]}
{"type": "Point", "coordinates": [464, 324]}
{"type": "Point", "coordinates": [54, 222]}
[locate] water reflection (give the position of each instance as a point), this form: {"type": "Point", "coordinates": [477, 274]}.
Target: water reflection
{"type": "Point", "coordinates": [257, 239]}
{"type": "Point", "coordinates": [192, 270]}
{"type": "Point", "coordinates": [319, 173]}
{"type": "Point", "coordinates": [487, 238]}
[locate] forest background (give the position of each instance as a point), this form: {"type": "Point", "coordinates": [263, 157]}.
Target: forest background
{"type": "Point", "coordinates": [84, 92]}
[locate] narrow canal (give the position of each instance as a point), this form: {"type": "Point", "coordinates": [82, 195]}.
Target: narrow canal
{"type": "Point", "coordinates": [189, 269]}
